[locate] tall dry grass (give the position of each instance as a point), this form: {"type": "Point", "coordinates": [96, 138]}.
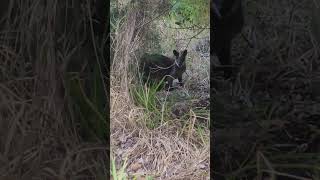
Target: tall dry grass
{"type": "Point", "coordinates": [169, 150]}
{"type": "Point", "coordinates": [122, 46]}
{"type": "Point", "coordinates": [40, 136]}
{"type": "Point", "coordinates": [263, 119]}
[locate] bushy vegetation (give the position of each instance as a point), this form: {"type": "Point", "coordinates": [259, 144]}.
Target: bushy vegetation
{"type": "Point", "coordinates": [161, 118]}
{"type": "Point", "coordinates": [265, 121]}
{"type": "Point", "coordinates": [53, 100]}
{"type": "Point", "coordinates": [189, 13]}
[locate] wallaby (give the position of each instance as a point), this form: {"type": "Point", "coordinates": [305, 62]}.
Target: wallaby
{"type": "Point", "coordinates": [226, 23]}
{"type": "Point", "coordinates": [156, 67]}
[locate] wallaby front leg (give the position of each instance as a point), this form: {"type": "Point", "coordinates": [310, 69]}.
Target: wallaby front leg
{"type": "Point", "coordinates": [169, 85]}
{"type": "Point", "coordinates": [180, 80]}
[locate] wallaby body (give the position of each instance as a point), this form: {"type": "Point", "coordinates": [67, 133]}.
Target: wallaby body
{"type": "Point", "coordinates": [156, 67]}
{"type": "Point", "coordinates": [226, 23]}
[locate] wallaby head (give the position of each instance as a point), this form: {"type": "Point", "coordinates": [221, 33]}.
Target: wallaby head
{"type": "Point", "coordinates": [157, 67]}
{"type": "Point", "coordinates": [180, 62]}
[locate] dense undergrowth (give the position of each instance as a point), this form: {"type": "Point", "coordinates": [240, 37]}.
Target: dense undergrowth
{"type": "Point", "coordinates": [266, 123]}
{"type": "Point", "coordinates": [156, 131]}
{"type": "Point", "coordinates": [53, 93]}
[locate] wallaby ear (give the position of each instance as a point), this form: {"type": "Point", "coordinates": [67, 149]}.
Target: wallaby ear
{"type": "Point", "coordinates": [175, 53]}
{"type": "Point", "coordinates": [185, 52]}
{"type": "Point", "coordinates": [183, 56]}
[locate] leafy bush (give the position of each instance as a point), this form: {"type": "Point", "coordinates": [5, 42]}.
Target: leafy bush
{"type": "Point", "coordinates": [190, 12]}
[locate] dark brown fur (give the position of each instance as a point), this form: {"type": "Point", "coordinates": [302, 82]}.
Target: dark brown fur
{"type": "Point", "coordinates": [156, 67]}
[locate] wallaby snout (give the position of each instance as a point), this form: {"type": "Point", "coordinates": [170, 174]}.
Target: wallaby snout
{"type": "Point", "coordinates": [156, 67]}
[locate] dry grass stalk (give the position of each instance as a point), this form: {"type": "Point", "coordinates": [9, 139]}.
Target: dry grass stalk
{"type": "Point", "coordinates": [164, 152]}
{"type": "Point", "coordinates": [38, 139]}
